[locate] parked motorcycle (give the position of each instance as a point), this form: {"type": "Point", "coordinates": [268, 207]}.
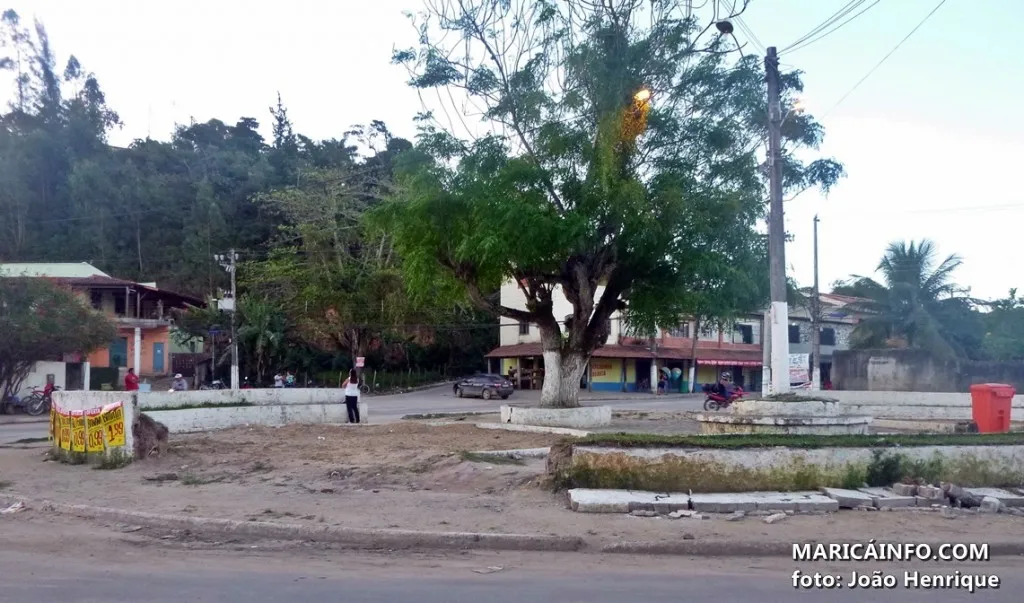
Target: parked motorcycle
{"type": "Point", "coordinates": [715, 401]}
{"type": "Point", "coordinates": [215, 384]}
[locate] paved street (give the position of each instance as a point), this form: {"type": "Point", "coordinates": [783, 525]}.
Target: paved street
{"type": "Point", "coordinates": [159, 577]}
{"type": "Point", "coordinates": [435, 400]}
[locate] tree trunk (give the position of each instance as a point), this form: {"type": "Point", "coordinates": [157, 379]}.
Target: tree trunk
{"type": "Point", "coordinates": [562, 373]}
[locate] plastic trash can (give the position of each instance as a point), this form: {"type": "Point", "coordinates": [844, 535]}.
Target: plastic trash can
{"type": "Point", "coordinates": [991, 404]}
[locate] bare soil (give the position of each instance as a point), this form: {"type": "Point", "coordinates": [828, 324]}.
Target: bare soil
{"type": "Point", "coordinates": [413, 475]}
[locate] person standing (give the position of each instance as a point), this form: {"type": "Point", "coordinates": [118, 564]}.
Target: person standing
{"type": "Point", "coordinates": [179, 384]}
{"type": "Point", "coordinates": [351, 386]}
{"type": "Point", "coordinates": [131, 381]}
{"type": "Point", "coordinates": [278, 380]}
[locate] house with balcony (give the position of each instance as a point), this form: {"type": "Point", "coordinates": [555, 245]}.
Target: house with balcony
{"type": "Point", "coordinates": [838, 320]}
{"type": "Point", "coordinates": [141, 311]}
{"type": "Point", "coordinates": [624, 362]}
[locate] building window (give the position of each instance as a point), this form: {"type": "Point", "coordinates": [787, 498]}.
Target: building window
{"type": "Point", "coordinates": [524, 328]}
{"type": "Point", "coordinates": [119, 305]}
{"type": "Point", "coordinates": [794, 333]}
{"type": "Point", "coordinates": [745, 334]}
{"type": "Point", "coordinates": [96, 297]}
{"type": "Point", "coordinates": [828, 336]}
{"type": "Point", "coordinates": [682, 330]}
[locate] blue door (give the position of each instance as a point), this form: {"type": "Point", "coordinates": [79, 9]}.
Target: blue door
{"type": "Point", "coordinates": [158, 358]}
{"type": "Point", "coordinates": [119, 352]}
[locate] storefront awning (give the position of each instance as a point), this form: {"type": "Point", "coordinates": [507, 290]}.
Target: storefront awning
{"type": "Point", "coordinates": [710, 362]}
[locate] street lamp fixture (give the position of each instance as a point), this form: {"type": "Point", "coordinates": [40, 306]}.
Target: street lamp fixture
{"type": "Point", "coordinates": [642, 96]}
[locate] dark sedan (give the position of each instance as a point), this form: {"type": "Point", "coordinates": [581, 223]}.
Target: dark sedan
{"type": "Point", "coordinates": [484, 386]}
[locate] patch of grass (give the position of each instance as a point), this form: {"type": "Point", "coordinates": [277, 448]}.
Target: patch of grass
{"type": "Point", "coordinates": [5, 484]}
{"type": "Point", "coordinates": [30, 440]}
{"type": "Point", "coordinates": [116, 459]}
{"type": "Point", "coordinates": [162, 477]}
{"type": "Point", "coordinates": [261, 467]}
{"type": "Point", "coordinates": [647, 440]}
{"type": "Point", "coordinates": [494, 459]}
{"type": "Point", "coordinates": [200, 405]}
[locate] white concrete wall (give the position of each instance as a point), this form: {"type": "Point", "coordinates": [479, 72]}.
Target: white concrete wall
{"type": "Point", "coordinates": [765, 458]}
{"type": "Point", "coordinates": [923, 406]}
{"type": "Point", "coordinates": [37, 376]}
{"type": "Point", "coordinates": [259, 397]}
{"type": "Point", "coordinates": [513, 297]}
{"type": "Point", "coordinates": [207, 419]}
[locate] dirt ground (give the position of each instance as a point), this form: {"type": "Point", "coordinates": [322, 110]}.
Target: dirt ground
{"type": "Point", "coordinates": [413, 475]}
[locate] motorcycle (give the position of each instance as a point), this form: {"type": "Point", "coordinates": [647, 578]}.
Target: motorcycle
{"type": "Point", "coordinates": [715, 401]}
{"type": "Point", "coordinates": [215, 384]}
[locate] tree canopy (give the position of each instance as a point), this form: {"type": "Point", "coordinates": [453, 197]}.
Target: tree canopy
{"type": "Point", "coordinates": [43, 321]}
{"type": "Point", "coordinates": [621, 167]}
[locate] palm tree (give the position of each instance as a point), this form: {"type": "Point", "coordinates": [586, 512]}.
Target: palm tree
{"type": "Point", "coordinates": [917, 305]}
{"type": "Point", "coordinates": [262, 333]}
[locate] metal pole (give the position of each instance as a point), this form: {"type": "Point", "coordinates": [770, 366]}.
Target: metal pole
{"type": "Point", "coordinates": [234, 312]}
{"type": "Point", "coordinates": [779, 311]}
{"type": "Point", "coordinates": [816, 320]}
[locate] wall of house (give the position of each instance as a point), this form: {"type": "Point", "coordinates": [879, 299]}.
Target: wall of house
{"type": "Point", "coordinates": [917, 371]}
{"type": "Point", "coordinates": [37, 376]}
{"type": "Point", "coordinates": [606, 374]}
{"type": "Point", "coordinates": [512, 297]}
{"type": "Point", "coordinates": [843, 332]}
{"type": "Point", "coordinates": [101, 358]}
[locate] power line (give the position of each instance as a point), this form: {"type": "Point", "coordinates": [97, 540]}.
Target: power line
{"type": "Point", "coordinates": [839, 14]}
{"type": "Point", "coordinates": [750, 35]}
{"type": "Point", "coordinates": [800, 46]}
{"type": "Point", "coordinates": [886, 57]}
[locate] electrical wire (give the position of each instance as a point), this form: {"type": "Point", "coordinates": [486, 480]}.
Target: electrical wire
{"type": "Point", "coordinates": [797, 47]}
{"type": "Point", "coordinates": [749, 34]}
{"type": "Point", "coordinates": [836, 16]}
{"type": "Point", "coordinates": [885, 58]}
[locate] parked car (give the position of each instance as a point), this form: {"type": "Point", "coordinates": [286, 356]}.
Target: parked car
{"type": "Point", "coordinates": [485, 386]}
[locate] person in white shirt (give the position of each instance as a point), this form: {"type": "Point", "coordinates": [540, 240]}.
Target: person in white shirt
{"type": "Point", "coordinates": [278, 380]}
{"type": "Point", "coordinates": [351, 386]}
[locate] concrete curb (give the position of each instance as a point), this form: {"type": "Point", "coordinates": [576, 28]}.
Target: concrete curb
{"type": "Point", "coordinates": [525, 453]}
{"type": "Point", "coordinates": [367, 538]}
{"type": "Point", "coordinates": [576, 433]}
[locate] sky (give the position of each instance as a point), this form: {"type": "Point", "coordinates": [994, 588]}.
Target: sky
{"type": "Point", "coordinates": [931, 140]}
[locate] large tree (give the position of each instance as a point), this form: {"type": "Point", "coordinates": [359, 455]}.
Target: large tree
{"type": "Point", "coordinates": [621, 166]}
{"type": "Point", "coordinates": [915, 304]}
{"type": "Point", "coordinates": [43, 321]}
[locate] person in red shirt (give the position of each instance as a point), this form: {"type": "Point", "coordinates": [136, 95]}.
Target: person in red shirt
{"type": "Point", "coordinates": [131, 381]}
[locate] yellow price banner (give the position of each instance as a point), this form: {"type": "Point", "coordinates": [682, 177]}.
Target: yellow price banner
{"type": "Point", "coordinates": [64, 420]}
{"type": "Point", "coordinates": [93, 430]}
{"type": "Point", "coordinates": [113, 423]}
{"type": "Point", "coordinates": [54, 434]}
{"type": "Point", "coordinates": [78, 431]}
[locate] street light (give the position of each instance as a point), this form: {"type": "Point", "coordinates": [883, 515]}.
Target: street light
{"type": "Point", "coordinates": [642, 96]}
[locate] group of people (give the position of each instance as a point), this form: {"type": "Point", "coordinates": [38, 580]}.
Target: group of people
{"type": "Point", "coordinates": [285, 380]}
{"type": "Point", "coordinates": [131, 382]}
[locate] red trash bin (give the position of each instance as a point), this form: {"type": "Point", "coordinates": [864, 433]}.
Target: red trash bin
{"type": "Point", "coordinates": [991, 406]}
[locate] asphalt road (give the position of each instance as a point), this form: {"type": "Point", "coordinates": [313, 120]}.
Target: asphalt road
{"type": "Point", "coordinates": [43, 578]}
{"type": "Point", "coordinates": [436, 400]}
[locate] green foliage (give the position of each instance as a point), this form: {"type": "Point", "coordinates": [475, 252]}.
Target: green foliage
{"type": "Point", "coordinates": [40, 320]}
{"type": "Point", "coordinates": [884, 469]}
{"type": "Point", "coordinates": [1004, 329]}
{"type": "Point", "coordinates": [917, 305]}
{"type": "Point", "coordinates": [644, 440]}
{"type": "Point", "coordinates": [582, 186]}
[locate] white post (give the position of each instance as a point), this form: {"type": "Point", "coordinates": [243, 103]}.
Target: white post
{"type": "Point", "coordinates": [86, 381]}
{"type": "Point", "coordinates": [138, 351]}
{"type": "Point", "coordinates": [766, 347]}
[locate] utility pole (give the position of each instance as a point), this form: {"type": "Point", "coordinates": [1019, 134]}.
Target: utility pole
{"type": "Point", "coordinates": [779, 311]}
{"type": "Point", "coordinates": [234, 312]}
{"type": "Point", "coordinates": [816, 320]}
{"type": "Point", "coordinates": [229, 263]}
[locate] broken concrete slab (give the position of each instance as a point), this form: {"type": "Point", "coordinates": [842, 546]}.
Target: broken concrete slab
{"type": "Point", "coordinates": [848, 499]}
{"type": "Point", "coordinates": [931, 493]}
{"type": "Point", "coordinates": [753, 501]}
{"type": "Point", "coordinates": [587, 500]}
{"type": "Point", "coordinates": [883, 498]}
{"type": "Point", "coordinates": [1007, 498]}
{"type": "Point", "coordinates": [904, 489]}
{"type": "Point", "coordinates": [991, 504]}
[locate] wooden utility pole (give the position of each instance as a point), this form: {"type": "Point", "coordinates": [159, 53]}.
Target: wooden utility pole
{"type": "Point", "coordinates": [816, 320]}
{"type": "Point", "coordinates": [779, 311]}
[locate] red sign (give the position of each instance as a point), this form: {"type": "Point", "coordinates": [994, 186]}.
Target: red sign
{"type": "Point", "coordinates": [360, 361]}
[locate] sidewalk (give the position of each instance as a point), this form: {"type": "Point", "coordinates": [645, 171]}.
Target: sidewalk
{"type": "Point", "coordinates": [17, 419]}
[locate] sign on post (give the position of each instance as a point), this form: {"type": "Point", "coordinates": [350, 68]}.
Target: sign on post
{"type": "Point", "coordinates": [360, 361]}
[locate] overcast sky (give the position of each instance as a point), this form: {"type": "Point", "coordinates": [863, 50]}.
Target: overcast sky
{"type": "Point", "coordinates": [932, 140]}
